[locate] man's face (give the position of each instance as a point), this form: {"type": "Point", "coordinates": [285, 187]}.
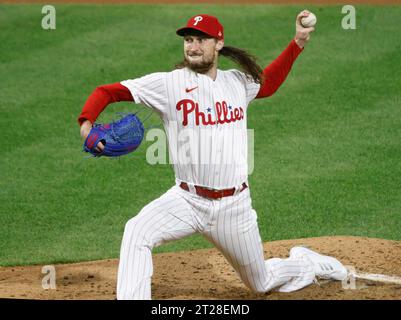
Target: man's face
{"type": "Point", "coordinates": [201, 51]}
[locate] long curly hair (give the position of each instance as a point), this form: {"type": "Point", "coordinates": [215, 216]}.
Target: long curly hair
{"type": "Point", "coordinates": [241, 57]}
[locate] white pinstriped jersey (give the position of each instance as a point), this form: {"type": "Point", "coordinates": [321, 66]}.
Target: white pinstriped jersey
{"type": "Point", "coordinates": [205, 122]}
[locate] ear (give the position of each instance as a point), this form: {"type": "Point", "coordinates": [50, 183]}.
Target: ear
{"type": "Point", "coordinates": [219, 45]}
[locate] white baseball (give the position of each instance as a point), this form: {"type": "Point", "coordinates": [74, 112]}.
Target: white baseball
{"type": "Point", "coordinates": [309, 21]}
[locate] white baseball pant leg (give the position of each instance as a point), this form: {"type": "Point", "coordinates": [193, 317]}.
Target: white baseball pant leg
{"type": "Point", "coordinates": [233, 229]}
{"type": "Point", "coordinates": [164, 219]}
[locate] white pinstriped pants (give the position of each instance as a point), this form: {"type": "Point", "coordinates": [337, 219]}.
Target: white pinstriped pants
{"type": "Point", "coordinates": [229, 223]}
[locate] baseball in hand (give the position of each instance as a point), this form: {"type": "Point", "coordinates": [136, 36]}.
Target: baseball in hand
{"type": "Point", "coordinates": [309, 21]}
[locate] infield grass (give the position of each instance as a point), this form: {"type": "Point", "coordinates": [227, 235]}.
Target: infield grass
{"type": "Point", "coordinates": [327, 144]}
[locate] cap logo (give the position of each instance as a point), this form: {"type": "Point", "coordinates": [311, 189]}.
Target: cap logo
{"type": "Point", "coordinates": [220, 34]}
{"type": "Point", "coordinates": [197, 20]}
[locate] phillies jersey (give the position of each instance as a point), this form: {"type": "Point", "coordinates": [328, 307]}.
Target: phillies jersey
{"type": "Point", "coordinates": [205, 122]}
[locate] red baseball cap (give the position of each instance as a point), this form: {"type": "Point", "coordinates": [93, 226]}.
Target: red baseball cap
{"type": "Point", "coordinates": [206, 24]}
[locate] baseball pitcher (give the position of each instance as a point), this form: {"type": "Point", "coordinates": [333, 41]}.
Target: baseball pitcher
{"type": "Point", "coordinates": [204, 109]}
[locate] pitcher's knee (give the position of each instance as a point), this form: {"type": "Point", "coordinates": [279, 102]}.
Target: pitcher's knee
{"type": "Point", "coordinates": [135, 233]}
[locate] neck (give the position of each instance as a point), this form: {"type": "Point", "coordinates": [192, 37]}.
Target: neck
{"type": "Point", "coordinates": [212, 73]}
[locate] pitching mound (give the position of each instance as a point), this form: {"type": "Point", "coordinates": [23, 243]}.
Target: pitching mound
{"type": "Point", "coordinates": [205, 274]}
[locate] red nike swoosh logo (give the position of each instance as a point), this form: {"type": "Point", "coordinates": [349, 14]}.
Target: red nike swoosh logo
{"type": "Point", "coordinates": [189, 90]}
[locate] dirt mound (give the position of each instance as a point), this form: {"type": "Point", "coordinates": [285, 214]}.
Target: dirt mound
{"type": "Point", "coordinates": [205, 274]}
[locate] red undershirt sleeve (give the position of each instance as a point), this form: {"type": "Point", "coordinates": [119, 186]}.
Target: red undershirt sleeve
{"type": "Point", "coordinates": [276, 72]}
{"type": "Point", "coordinates": [100, 98]}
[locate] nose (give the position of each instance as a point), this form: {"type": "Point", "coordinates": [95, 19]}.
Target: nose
{"type": "Point", "coordinates": [194, 46]}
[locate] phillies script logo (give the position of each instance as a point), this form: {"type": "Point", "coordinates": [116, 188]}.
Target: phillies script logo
{"type": "Point", "coordinates": [223, 114]}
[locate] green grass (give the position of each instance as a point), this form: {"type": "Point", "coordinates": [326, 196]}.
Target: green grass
{"type": "Point", "coordinates": [327, 144]}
